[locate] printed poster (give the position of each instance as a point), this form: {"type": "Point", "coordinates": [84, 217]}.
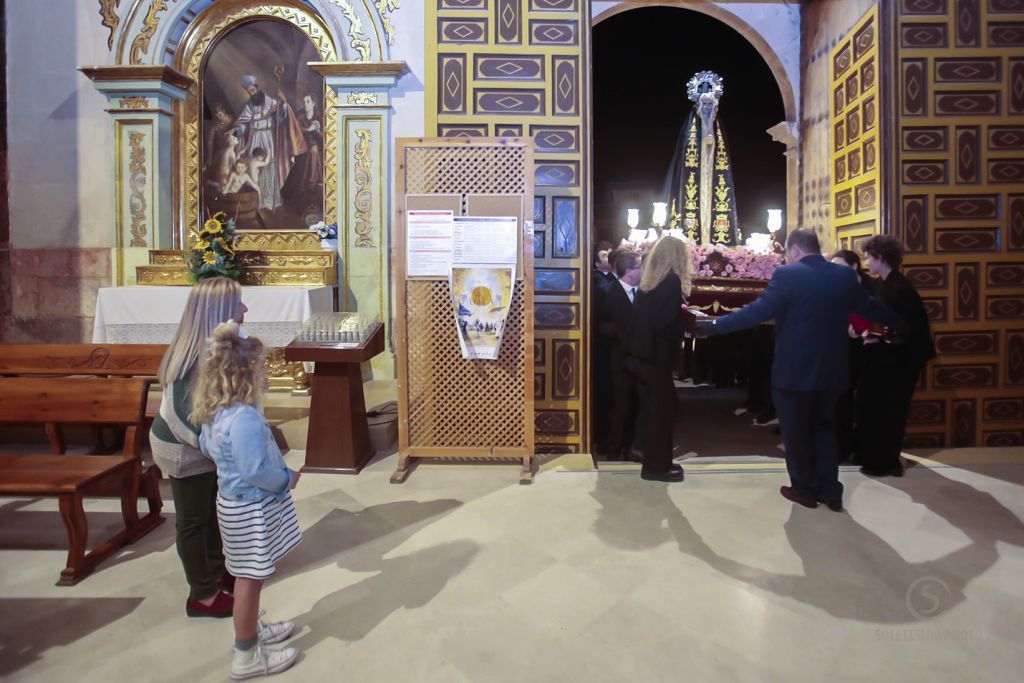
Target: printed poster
{"type": "Point", "coordinates": [481, 296]}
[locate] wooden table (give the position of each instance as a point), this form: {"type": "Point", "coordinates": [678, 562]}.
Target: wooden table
{"type": "Point", "coordinates": [338, 439]}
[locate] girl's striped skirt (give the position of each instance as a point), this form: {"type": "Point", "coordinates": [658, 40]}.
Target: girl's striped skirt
{"type": "Point", "coordinates": [257, 534]}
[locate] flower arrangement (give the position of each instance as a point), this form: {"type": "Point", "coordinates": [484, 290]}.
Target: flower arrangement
{"type": "Point", "coordinates": [213, 254]}
{"type": "Point", "coordinates": [717, 260]}
{"type": "Point", "coordinates": [326, 232]}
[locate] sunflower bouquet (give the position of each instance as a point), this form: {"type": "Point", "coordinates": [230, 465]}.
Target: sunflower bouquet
{"type": "Point", "coordinates": [213, 252]}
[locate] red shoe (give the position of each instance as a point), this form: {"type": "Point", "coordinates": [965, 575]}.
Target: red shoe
{"type": "Point", "coordinates": [220, 608]}
{"type": "Point", "coordinates": [226, 584]}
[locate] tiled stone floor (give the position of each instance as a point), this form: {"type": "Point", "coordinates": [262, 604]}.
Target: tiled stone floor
{"type": "Point", "coordinates": [461, 574]}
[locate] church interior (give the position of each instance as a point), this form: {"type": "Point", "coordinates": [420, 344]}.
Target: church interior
{"type": "Point", "coordinates": [462, 515]}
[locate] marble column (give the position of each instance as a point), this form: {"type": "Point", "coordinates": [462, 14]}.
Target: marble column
{"type": "Point", "coordinates": [141, 106]}
{"type": "Point", "coordinates": [362, 113]}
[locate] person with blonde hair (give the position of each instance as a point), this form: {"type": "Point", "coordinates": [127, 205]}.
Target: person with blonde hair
{"type": "Point", "coordinates": [175, 443]}
{"type": "Point", "coordinates": [653, 348]}
{"type": "Point", "coordinates": [255, 511]}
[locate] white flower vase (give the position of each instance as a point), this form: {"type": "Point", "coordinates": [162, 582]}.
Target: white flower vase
{"type": "Point", "coordinates": [330, 244]}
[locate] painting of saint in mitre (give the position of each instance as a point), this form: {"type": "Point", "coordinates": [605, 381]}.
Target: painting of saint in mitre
{"type": "Point", "coordinates": [262, 155]}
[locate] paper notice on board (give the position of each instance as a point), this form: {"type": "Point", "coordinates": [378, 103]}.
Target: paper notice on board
{"type": "Point", "coordinates": [428, 243]}
{"type": "Point", "coordinates": [485, 240]}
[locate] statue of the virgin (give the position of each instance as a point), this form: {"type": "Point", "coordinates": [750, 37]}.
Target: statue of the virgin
{"type": "Point", "coordinates": [699, 183]}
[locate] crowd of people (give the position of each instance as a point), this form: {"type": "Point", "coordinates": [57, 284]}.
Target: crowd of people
{"type": "Point", "coordinates": [848, 352]}
{"type": "Point", "coordinates": [849, 349]}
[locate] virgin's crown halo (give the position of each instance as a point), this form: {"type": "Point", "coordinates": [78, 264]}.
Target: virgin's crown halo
{"type": "Point", "coordinates": [713, 80]}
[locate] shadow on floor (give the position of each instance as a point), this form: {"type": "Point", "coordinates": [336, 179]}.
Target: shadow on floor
{"type": "Point", "coordinates": [849, 571]}
{"type": "Point", "coordinates": [31, 626]}
{"type": "Point", "coordinates": [407, 581]}
{"type": "Point", "coordinates": [386, 526]}
{"type": "Point", "coordinates": [22, 529]}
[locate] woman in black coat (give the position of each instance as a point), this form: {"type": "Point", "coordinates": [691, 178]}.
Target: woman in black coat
{"type": "Point", "coordinates": [653, 349]}
{"type": "Point", "coordinates": [892, 365]}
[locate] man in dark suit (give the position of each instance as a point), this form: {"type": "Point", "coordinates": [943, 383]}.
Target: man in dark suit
{"type": "Point", "coordinates": [614, 327]}
{"type": "Point", "coordinates": [809, 299]}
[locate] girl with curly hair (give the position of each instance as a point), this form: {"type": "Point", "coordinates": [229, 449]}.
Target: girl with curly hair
{"type": "Point", "coordinates": [254, 505]}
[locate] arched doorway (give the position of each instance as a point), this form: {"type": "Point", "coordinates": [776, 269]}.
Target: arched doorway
{"type": "Point", "coordinates": [639, 105]}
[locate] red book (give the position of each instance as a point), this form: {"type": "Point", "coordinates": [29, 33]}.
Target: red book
{"type": "Point", "coordinates": [861, 325]}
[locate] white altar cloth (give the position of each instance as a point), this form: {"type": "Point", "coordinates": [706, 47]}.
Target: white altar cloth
{"type": "Point", "coordinates": [150, 314]}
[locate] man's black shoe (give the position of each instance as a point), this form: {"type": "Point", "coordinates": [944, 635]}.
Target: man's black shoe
{"type": "Point", "coordinates": [789, 494]}
{"type": "Point", "coordinates": [891, 472]}
{"type": "Point", "coordinates": [833, 504]}
{"type": "Point", "coordinates": [675, 473]}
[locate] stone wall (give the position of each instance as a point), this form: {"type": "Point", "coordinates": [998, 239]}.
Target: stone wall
{"type": "Point", "coordinates": [53, 293]}
{"type": "Point", "coordinates": [60, 183]}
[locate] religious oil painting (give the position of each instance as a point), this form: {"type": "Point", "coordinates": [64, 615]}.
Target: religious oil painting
{"type": "Point", "coordinates": [263, 128]}
{"type": "Point", "coordinates": [481, 297]}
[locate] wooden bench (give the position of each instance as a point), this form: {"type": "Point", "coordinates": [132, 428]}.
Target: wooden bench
{"type": "Point", "coordinates": [62, 360]}
{"type": "Point", "coordinates": [93, 401]}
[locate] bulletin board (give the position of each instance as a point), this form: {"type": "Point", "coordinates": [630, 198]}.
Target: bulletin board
{"type": "Point", "coordinates": [453, 408]}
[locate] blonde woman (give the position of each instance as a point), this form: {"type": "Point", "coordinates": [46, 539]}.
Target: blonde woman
{"type": "Point", "coordinates": [254, 504]}
{"type": "Point", "coordinates": [654, 347]}
{"type": "Point", "coordinates": [175, 443]}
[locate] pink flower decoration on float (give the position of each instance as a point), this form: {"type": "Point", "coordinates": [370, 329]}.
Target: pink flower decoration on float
{"type": "Point", "coordinates": [740, 262]}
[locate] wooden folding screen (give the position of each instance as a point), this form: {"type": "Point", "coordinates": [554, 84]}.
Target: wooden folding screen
{"type": "Point", "coordinates": [451, 408]}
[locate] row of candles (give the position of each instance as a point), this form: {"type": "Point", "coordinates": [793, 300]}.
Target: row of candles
{"type": "Point", "coordinates": [659, 217]}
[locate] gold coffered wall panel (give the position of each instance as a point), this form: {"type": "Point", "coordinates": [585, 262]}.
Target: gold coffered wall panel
{"type": "Point", "coordinates": [519, 68]}
{"type": "Point", "coordinates": [855, 133]}
{"type": "Point", "coordinates": [957, 167]}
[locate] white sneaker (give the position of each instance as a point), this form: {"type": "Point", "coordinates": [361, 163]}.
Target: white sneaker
{"type": "Point", "coordinates": [261, 661]}
{"type": "Point", "coordinates": [274, 631]}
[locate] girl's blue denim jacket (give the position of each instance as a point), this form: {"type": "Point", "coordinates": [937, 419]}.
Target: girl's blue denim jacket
{"type": "Point", "coordinates": [249, 463]}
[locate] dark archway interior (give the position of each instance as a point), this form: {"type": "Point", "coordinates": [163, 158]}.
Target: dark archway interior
{"type": "Point", "coordinates": [642, 60]}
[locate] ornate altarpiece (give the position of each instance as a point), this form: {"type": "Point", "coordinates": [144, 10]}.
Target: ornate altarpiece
{"type": "Point", "coordinates": [154, 95]}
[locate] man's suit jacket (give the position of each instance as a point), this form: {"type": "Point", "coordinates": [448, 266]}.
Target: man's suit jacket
{"type": "Point", "coordinates": [616, 321]}
{"type": "Point", "coordinates": [810, 302]}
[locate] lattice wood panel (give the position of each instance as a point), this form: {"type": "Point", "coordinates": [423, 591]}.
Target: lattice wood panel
{"type": "Point", "coordinates": [451, 407]}
{"type": "Point", "coordinates": [519, 68]}
{"type": "Point", "coordinates": [854, 116]}
{"type": "Point", "coordinates": [957, 166]}
{"type": "Point", "coordinates": [451, 400]}
{"type": "Point", "coordinates": [464, 170]}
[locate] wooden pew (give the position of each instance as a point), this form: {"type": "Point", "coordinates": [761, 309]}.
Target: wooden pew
{"type": "Point", "coordinates": [61, 360]}
{"type": "Point", "coordinates": [94, 401]}
{"type": "Point", "coordinates": [115, 360]}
